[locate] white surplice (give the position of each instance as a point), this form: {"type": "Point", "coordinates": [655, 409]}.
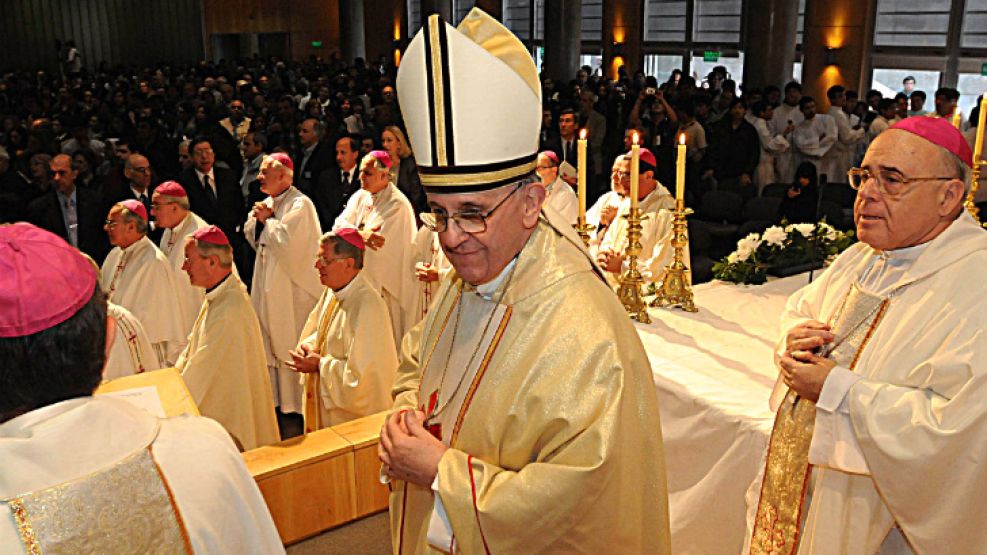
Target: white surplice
{"type": "Point", "coordinates": [131, 352]}
{"type": "Point", "coordinates": [772, 145]}
{"type": "Point", "coordinates": [609, 198]}
{"type": "Point", "coordinates": [898, 441]}
{"type": "Point", "coordinates": [813, 139]}
{"type": "Point", "coordinates": [224, 366]}
{"type": "Point", "coordinates": [785, 162]}
{"type": "Point", "coordinates": [426, 250]}
{"type": "Point", "coordinates": [285, 285]}
{"type": "Point", "coordinates": [219, 502]}
{"type": "Point", "coordinates": [140, 279]}
{"type": "Point", "coordinates": [173, 246]}
{"type": "Point", "coordinates": [389, 214]}
{"type": "Point", "coordinates": [840, 157]}
{"type": "Point", "coordinates": [358, 355]}
{"type": "Point", "coordinates": [560, 197]}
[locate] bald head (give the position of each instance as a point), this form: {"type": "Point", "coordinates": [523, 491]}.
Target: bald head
{"type": "Point", "coordinates": [63, 174]}
{"type": "Point", "coordinates": [138, 170]}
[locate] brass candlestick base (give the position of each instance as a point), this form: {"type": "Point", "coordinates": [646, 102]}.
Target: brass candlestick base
{"type": "Point", "coordinates": [974, 185]}
{"type": "Point", "coordinates": [584, 229]}
{"type": "Point", "coordinates": [674, 289]}
{"type": "Point", "coordinates": [629, 292]}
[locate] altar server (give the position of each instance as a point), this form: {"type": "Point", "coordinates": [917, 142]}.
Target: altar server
{"type": "Point", "coordinates": [84, 474]}
{"type": "Point", "coordinates": [883, 365]}
{"type": "Point", "coordinates": [224, 365]}
{"type": "Point", "coordinates": [284, 230]}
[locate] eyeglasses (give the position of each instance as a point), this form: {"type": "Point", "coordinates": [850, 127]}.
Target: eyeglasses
{"type": "Point", "coordinates": [622, 175]}
{"type": "Point", "coordinates": [892, 184]}
{"type": "Point", "coordinates": [469, 222]}
{"type": "Point", "coordinates": [326, 261]}
{"type": "Point", "coordinates": [544, 167]}
{"type": "Point", "coordinates": [159, 205]}
{"type": "Point", "coordinates": [110, 223]}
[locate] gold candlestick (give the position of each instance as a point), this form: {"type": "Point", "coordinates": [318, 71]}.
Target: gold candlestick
{"type": "Point", "coordinates": [631, 280]}
{"type": "Point", "coordinates": [674, 289]}
{"type": "Point", "coordinates": [974, 185]}
{"type": "Point", "coordinates": [584, 229]}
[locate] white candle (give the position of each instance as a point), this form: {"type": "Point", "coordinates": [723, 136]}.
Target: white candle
{"type": "Point", "coordinates": [680, 172]}
{"type": "Point", "coordinates": [581, 151]}
{"type": "Point", "coordinates": [635, 166]}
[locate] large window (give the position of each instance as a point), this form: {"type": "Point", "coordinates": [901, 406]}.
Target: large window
{"type": "Point", "coordinates": [912, 22]}
{"type": "Point", "coordinates": [970, 85]}
{"type": "Point", "coordinates": [414, 17]}
{"type": "Point", "coordinates": [717, 21]}
{"type": "Point", "coordinates": [664, 20]}
{"type": "Point", "coordinates": [713, 21]}
{"type": "Point", "coordinates": [975, 24]}
{"type": "Point", "coordinates": [592, 27]}
{"type": "Point", "coordinates": [459, 10]}
{"type": "Point", "coordinates": [517, 17]}
{"type": "Point", "coordinates": [890, 81]}
{"type": "Point", "coordinates": [734, 65]}
{"type": "Point", "coordinates": [662, 65]}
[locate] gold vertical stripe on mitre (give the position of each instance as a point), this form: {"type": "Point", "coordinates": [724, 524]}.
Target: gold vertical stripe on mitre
{"type": "Point", "coordinates": [439, 117]}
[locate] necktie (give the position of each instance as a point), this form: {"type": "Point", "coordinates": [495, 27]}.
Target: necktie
{"type": "Point", "coordinates": [565, 153]}
{"type": "Point", "coordinates": [143, 200]}
{"type": "Point", "coordinates": [209, 189]}
{"type": "Point", "coordinates": [71, 223]}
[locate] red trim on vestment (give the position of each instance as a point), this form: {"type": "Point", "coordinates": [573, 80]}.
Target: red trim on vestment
{"type": "Point", "coordinates": [476, 511]}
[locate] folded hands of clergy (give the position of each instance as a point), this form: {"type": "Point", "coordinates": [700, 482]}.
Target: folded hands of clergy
{"type": "Point", "coordinates": [607, 214]}
{"type": "Point", "coordinates": [801, 368]}
{"type": "Point", "coordinates": [304, 359]}
{"type": "Point", "coordinates": [609, 261]}
{"type": "Point", "coordinates": [410, 452]}
{"type": "Point", "coordinates": [426, 272]}
{"type": "Point", "coordinates": [262, 212]}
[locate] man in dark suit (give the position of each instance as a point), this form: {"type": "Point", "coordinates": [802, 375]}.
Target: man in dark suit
{"type": "Point", "coordinates": [138, 186]}
{"type": "Point", "coordinates": [314, 158]}
{"type": "Point", "coordinates": [337, 184]}
{"type": "Point", "coordinates": [564, 144]}
{"type": "Point", "coordinates": [75, 214]}
{"type": "Point", "coordinates": [214, 193]}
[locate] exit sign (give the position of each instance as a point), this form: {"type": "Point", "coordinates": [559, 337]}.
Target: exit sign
{"type": "Point", "coordinates": [983, 69]}
{"type": "Point", "coordinates": [316, 44]}
{"type": "Point", "coordinates": [714, 56]}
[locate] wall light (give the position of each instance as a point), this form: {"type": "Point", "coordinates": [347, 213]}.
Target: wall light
{"type": "Point", "coordinates": [831, 56]}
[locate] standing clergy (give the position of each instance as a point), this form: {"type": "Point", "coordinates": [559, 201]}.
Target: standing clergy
{"type": "Point", "coordinates": [131, 352]}
{"type": "Point", "coordinates": [385, 219]}
{"type": "Point", "coordinates": [885, 363]}
{"type": "Point", "coordinates": [284, 288]}
{"type": "Point", "coordinates": [513, 430]}
{"type": "Point", "coordinates": [95, 474]}
{"type": "Point", "coordinates": [430, 266]}
{"type": "Point", "coordinates": [224, 362]}
{"type": "Point", "coordinates": [558, 194]}
{"type": "Point", "coordinates": [814, 137]}
{"type": "Point", "coordinates": [170, 208]}
{"type": "Point", "coordinates": [842, 156]}
{"type": "Point", "coordinates": [137, 276]}
{"type": "Point", "coordinates": [345, 354]}
{"type": "Point", "coordinates": [657, 203]}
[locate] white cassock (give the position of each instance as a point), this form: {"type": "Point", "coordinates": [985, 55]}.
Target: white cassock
{"type": "Point", "coordinates": [656, 236]}
{"type": "Point", "coordinates": [285, 285]}
{"type": "Point", "coordinates": [140, 279]}
{"type": "Point", "coordinates": [878, 126]}
{"type": "Point", "coordinates": [772, 145]}
{"type": "Point", "coordinates": [785, 162]}
{"type": "Point", "coordinates": [358, 362]}
{"type": "Point", "coordinates": [389, 214]}
{"type": "Point", "coordinates": [897, 443]}
{"type": "Point", "coordinates": [560, 197]}
{"type": "Point", "coordinates": [426, 250]}
{"type": "Point", "coordinates": [840, 157]}
{"type": "Point", "coordinates": [82, 443]}
{"type": "Point", "coordinates": [173, 246]}
{"type": "Point", "coordinates": [610, 198]}
{"type": "Point", "coordinates": [131, 352]}
{"type": "Point", "coordinates": [813, 139]}
{"type": "Point", "coordinates": [224, 366]}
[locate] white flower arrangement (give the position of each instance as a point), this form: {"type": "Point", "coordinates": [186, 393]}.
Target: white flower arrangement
{"type": "Point", "coordinates": [781, 247]}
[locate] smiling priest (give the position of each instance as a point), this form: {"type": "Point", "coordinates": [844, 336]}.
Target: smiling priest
{"type": "Point", "coordinates": [516, 428]}
{"type": "Point", "coordinates": [885, 362]}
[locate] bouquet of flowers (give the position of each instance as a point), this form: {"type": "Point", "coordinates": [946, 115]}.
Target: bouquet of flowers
{"type": "Point", "coordinates": [781, 247]}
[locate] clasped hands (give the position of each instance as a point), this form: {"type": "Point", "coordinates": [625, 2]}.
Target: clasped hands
{"type": "Point", "coordinates": [304, 359]}
{"type": "Point", "coordinates": [609, 261]}
{"type": "Point", "coordinates": [801, 368]}
{"type": "Point", "coordinates": [410, 452]}
{"type": "Point", "coordinates": [262, 212]}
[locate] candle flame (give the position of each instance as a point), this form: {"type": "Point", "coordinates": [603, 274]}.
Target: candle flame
{"type": "Point", "coordinates": [681, 138]}
{"type": "Point", "coordinates": [634, 137]}
{"type": "Point", "coordinates": [582, 133]}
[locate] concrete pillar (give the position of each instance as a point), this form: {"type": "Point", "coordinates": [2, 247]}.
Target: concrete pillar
{"type": "Point", "coordinates": [493, 7]}
{"type": "Point", "coordinates": [622, 36]}
{"type": "Point", "coordinates": [441, 7]}
{"type": "Point", "coordinates": [771, 27]}
{"type": "Point", "coordinates": [352, 41]}
{"type": "Point", "coordinates": [847, 27]}
{"type": "Point", "coordinates": [563, 39]}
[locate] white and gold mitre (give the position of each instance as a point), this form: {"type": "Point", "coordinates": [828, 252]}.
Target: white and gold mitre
{"type": "Point", "coordinates": [471, 101]}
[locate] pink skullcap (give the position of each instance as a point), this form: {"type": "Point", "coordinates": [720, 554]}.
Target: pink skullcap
{"type": "Point", "coordinates": [550, 155]}
{"type": "Point", "coordinates": [382, 156]}
{"type": "Point", "coordinates": [136, 207]}
{"type": "Point", "coordinates": [940, 132]}
{"type": "Point", "coordinates": [351, 236]}
{"type": "Point", "coordinates": [283, 159]}
{"type": "Point", "coordinates": [43, 280]}
{"type": "Point", "coordinates": [646, 158]}
{"type": "Point", "coordinates": [211, 234]}
{"type": "Point", "coordinates": [171, 189]}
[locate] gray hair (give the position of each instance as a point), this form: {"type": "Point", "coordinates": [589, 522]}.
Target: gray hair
{"type": "Point", "coordinates": [342, 248]}
{"type": "Point", "coordinates": [131, 217]}
{"type": "Point", "coordinates": [223, 252]}
{"type": "Point", "coordinates": [962, 170]}
{"type": "Point", "coordinates": [180, 201]}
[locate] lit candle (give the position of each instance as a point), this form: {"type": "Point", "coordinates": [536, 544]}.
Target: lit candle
{"type": "Point", "coordinates": [635, 165]}
{"type": "Point", "coordinates": [581, 151]}
{"type": "Point", "coordinates": [680, 173]}
{"type": "Point", "coordinates": [956, 118]}
{"type": "Point", "coordinates": [978, 145]}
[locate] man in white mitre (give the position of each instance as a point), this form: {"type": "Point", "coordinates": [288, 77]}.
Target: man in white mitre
{"type": "Point", "coordinates": [385, 219]}
{"type": "Point", "coordinates": [883, 369]}
{"type": "Point", "coordinates": [284, 230]}
{"type": "Point", "coordinates": [95, 474]}
{"type": "Point", "coordinates": [512, 430]}
{"type": "Point", "coordinates": [224, 365]}
{"type": "Point", "coordinates": [559, 195]}
{"type": "Point", "coordinates": [346, 355]}
{"type": "Point", "coordinates": [170, 208]}
{"type": "Point", "coordinates": [137, 276]}
{"type": "Point", "coordinates": [657, 204]}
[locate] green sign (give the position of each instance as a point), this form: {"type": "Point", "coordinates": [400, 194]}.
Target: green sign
{"type": "Point", "coordinates": [316, 44]}
{"type": "Point", "coordinates": [714, 56]}
{"type": "Point", "coordinates": [983, 69]}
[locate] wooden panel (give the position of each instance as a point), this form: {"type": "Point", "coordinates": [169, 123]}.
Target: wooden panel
{"type": "Point", "coordinates": [362, 431]}
{"type": "Point", "coordinates": [293, 453]}
{"type": "Point", "coordinates": [371, 495]}
{"type": "Point", "coordinates": [311, 498]}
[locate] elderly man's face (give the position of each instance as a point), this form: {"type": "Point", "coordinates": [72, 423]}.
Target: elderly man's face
{"type": "Point", "coordinates": [306, 133]}
{"type": "Point", "coordinates": [372, 178]}
{"type": "Point", "coordinates": [166, 212]}
{"type": "Point", "coordinates": [274, 178]}
{"type": "Point", "coordinates": [138, 171]}
{"type": "Point", "coordinates": [120, 232]}
{"type": "Point", "coordinates": [196, 266]}
{"type": "Point", "coordinates": [915, 216]}
{"type": "Point", "coordinates": [546, 169]}
{"type": "Point", "coordinates": [480, 257]}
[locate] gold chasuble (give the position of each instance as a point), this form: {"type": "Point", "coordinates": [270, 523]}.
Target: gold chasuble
{"type": "Point", "coordinates": [543, 392]}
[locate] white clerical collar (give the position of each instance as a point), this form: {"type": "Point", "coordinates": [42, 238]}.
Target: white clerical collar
{"type": "Point", "coordinates": [487, 290]}
{"type": "Point", "coordinates": [346, 291]}
{"type": "Point", "coordinates": [906, 253]}
{"type": "Point", "coordinates": [136, 245]}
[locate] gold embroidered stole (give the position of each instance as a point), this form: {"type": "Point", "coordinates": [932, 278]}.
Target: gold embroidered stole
{"type": "Point", "coordinates": [312, 411]}
{"type": "Point", "coordinates": [126, 508]}
{"type": "Point", "coordinates": [787, 472]}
